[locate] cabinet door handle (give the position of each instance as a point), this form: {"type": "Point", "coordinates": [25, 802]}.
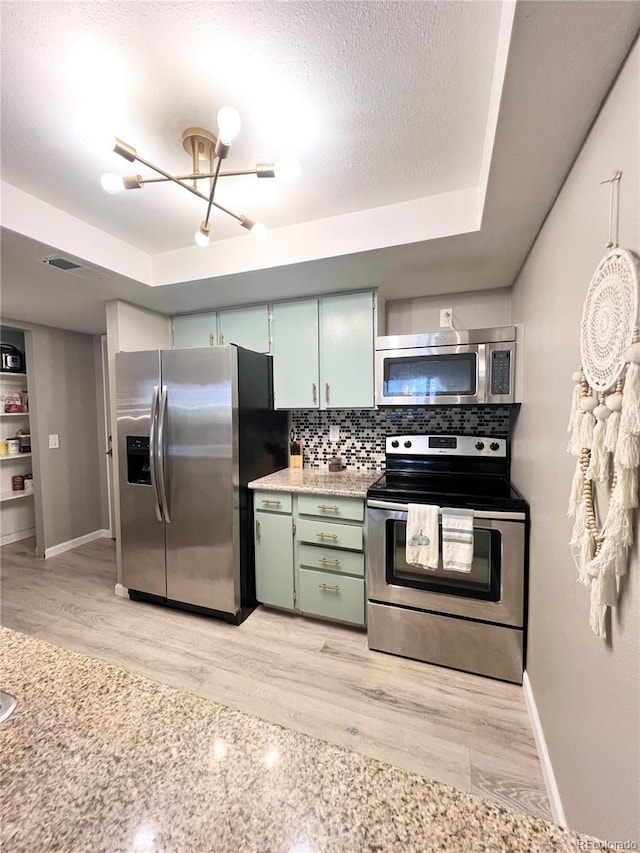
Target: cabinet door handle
{"type": "Point", "coordinates": [329, 562]}
{"type": "Point", "coordinates": [326, 392]}
{"type": "Point", "coordinates": [314, 391]}
{"type": "Point", "coordinates": [328, 587]}
{"type": "Point", "coordinates": [221, 339]}
{"type": "Point", "coordinates": [212, 341]}
{"type": "Point", "coordinates": [257, 529]}
{"type": "Point", "coordinates": [327, 535]}
{"type": "Point", "coordinates": [329, 506]}
{"type": "Point", "coordinates": [271, 501]}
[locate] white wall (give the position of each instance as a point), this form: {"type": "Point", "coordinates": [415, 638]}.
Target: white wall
{"type": "Point", "coordinates": [587, 691]}
{"type": "Point", "coordinates": [475, 310]}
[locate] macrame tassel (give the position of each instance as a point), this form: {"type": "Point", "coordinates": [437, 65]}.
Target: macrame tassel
{"type": "Point", "coordinates": [587, 424]}
{"type": "Point", "coordinates": [578, 527]}
{"type": "Point", "coordinates": [575, 407]}
{"type": "Point", "coordinates": [599, 465]}
{"type": "Point", "coordinates": [575, 495]}
{"type": "Point", "coordinates": [627, 452]}
{"type": "Point", "coordinates": [611, 434]}
{"type": "Point", "coordinates": [587, 550]}
{"type": "Point", "coordinates": [626, 490]}
{"type": "Point", "coordinates": [630, 417]}
{"type": "Point", "coordinates": [604, 594]}
{"type": "Point", "coordinates": [618, 530]}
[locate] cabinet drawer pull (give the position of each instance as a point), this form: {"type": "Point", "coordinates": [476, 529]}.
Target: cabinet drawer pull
{"type": "Point", "coordinates": [326, 392]}
{"type": "Point", "coordinates": [314, 391]}
{"type": "Point", "coordinates": [271, 501]}
{"type": "Point", "coordinates": [328, 587]}
{"type": "Point", "coordinates": [329, 562]}
{"type": "Point", "coordinates": [327, 535]}
{"type": "Point", "coordinates": [329, 506]}
{"type": "Point", "coordinates": [257, 530]}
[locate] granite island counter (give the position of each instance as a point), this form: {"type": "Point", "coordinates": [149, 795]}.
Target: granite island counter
{"type": "Point", "coordinates": [318, 481]}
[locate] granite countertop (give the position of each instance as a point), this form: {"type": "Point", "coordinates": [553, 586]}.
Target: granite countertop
{"type": "Point", "coordinates": [99, 759]}
{"type": "Point", "coordinates": [318, 481]}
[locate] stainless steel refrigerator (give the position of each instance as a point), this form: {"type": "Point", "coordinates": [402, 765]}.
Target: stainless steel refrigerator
{"type": "Point", "coordinates": [194, 427]}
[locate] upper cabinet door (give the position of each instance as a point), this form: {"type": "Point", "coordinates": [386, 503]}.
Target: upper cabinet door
{"type": "Point", "coordinates": [295, 355]}
{"type": "Point", "coordinates": [195, 330]}
{"type": "Point", "coordinates": [246, 327]}
{"type": "Point", "coordinates": [347, 346]}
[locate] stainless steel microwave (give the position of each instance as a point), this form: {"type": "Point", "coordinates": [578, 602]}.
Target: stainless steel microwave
{"type": "Point", "coordinates": [474, 366]}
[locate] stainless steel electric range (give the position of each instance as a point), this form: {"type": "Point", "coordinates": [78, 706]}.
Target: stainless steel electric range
{"type": "Point", "coordinates": [471, 621]}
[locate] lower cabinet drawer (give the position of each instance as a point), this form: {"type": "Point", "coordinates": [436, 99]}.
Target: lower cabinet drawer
{"type": "Point", "coordinates": [272, 501]}
{"type": "Point", "coordinates": [332, 596]}
{"type": "Point", "coordinates": [331, 507]}
{"type": "Point", "coordinates": [347, 562]}
{"type": "Point", "coordinates": [328, 533]}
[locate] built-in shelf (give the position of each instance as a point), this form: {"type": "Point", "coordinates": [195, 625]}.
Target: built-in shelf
{"type": "Point", "coordinates": [13, 496]}
{"type": "Point", "coordinates": [14, 414]}
{"type": "Point", "coordinates": [4, 374]}
{"type": "Point", "coordinates": [13, 456]}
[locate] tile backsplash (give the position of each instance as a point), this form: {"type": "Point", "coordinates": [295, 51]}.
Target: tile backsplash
{"type": "Point", "coordinates": [363, 431]}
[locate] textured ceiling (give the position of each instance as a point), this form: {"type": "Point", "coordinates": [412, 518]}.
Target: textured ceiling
{"type": "Point", "coordinates": [397, 103]}
{"type": "Point", "coordinates": [381, 103]}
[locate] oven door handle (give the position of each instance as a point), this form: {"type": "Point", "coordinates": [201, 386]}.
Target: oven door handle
{"type": "Point", "coordinates": [480, 513]}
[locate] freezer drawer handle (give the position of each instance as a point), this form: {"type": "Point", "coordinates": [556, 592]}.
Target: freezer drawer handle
{"type": "Point", "coordinates": [328, 587]}
{"type": "Point", "coordinates": [329, 562]}
{"type": "Point", "coordinates": [329, 506]}
{"type": "Point", "coordinates": [153, 455]}
{"type": "Point", "coordinates": [327, 535]}
{"type": "Point", "coordinates": [161, 446]}
{"type": "Point", "coordinates": [271, 501]}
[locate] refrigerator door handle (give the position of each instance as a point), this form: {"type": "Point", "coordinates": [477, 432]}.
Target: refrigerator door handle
{"type": "Point", "coordinates": [161, 454]}
{"type": "Point", "coordinates": [153, 456]}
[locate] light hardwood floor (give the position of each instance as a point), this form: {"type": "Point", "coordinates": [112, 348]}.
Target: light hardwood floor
{"type": "Point", "coordinates": [307, 675]}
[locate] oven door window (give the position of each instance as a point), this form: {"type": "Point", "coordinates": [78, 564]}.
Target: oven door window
{"type": "Point", "coordinates": [431, 376]}
{"type": "Point", "coordinates": [482, 582]}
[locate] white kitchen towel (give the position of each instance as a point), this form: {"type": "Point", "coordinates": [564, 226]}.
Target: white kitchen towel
{"type": "Point", "coordinates": [457, 539]}
{"type": "Point", "coordinates": [422, 536]}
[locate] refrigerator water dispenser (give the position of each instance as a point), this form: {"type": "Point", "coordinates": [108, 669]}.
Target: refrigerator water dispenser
{"type": "Point", "coordinates": [138, 463]}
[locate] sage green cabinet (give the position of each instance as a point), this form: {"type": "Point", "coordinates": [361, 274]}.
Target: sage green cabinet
{"type": "Point", "coordinates": [274, 559]}
{"type": "Point", "coordinates": [195, 330]}
{"type": "Point", "coordinates": [323, 352]}
{"type": "Point", "coordinates": [308, 558]}
{"type": "Point", "coordinates": [247, 327]}
{"type": "Point", "coordinates": [296, 359]}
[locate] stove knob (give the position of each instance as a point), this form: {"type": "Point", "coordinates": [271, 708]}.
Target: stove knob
{"type": "Point", "coordinates": [494, 445]}
{"type": "Point", "coordinates": [395, 443]}
{"type": "Point", "coordinates": [479, 445]}
{"type": "Point", "coordinates": [407, 444]}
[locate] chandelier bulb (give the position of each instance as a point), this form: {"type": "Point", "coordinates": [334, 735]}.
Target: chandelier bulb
{"type": "Point", "coordinates": [287, 169]}
{"type": "Point", "coordinates": [228, 124]}
{"type": "Point", "coordinates": [259, 231]}
{"type": "Point", "coordinates": [202, 235]}
{"type": "Point", "coordinates": [112, 183]}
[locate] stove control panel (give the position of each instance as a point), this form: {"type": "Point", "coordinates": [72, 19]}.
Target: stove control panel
{"type": "Point", "coordinates": [446, 445]}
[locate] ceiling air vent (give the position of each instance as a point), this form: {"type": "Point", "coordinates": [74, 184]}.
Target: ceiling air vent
{"type": "Point", "coordinates": [61, 264]}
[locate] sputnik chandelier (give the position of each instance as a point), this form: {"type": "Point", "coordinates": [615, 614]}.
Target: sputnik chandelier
{"type": "Point", "coordinates": [203, 147]}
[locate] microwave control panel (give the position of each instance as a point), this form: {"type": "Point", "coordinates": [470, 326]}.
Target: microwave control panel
{"type": "Point", "coordinates": [501, 372]}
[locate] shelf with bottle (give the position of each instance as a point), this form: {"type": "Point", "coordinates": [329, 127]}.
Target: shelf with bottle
{"type": "Point", "coordinates": [11, 457]}
{"type": "Point", "coordinates": [14, 496]}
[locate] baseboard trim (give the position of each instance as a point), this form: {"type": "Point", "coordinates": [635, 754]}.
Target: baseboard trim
{"type": "Point", "coordinates": [553, 793]}
{"type": "Point", "coordinates": [8, 538]}
{"type": "Point", "coordinates": [121, 591]}
{"type": "Point", "coordinates": [75, 543]}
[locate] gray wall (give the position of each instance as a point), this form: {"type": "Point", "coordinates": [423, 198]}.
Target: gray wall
{"type": "Point", "coordinates": [64, 399]}
{"type": "Point", "coordinates": [476, 310]}
{"type": "Point", "coordinates": [587, 691]}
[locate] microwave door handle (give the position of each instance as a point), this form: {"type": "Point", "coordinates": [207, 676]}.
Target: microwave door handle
{"type": "Point", "coordinates": [161, 454]}
{"type": "Point", "coordinates": [153, 454]}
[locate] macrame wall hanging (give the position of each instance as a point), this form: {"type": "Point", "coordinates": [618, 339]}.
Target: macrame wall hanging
{"type": "Point", "coordinates": [605, 424]}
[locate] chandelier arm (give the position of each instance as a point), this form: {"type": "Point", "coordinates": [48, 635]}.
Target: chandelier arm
{"type": "Point", "coordinates": [213, 189]}
{"type": "Point", "coordinates": [200, 176]}
{"type": "Point", "coordinates": [169, 177]}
